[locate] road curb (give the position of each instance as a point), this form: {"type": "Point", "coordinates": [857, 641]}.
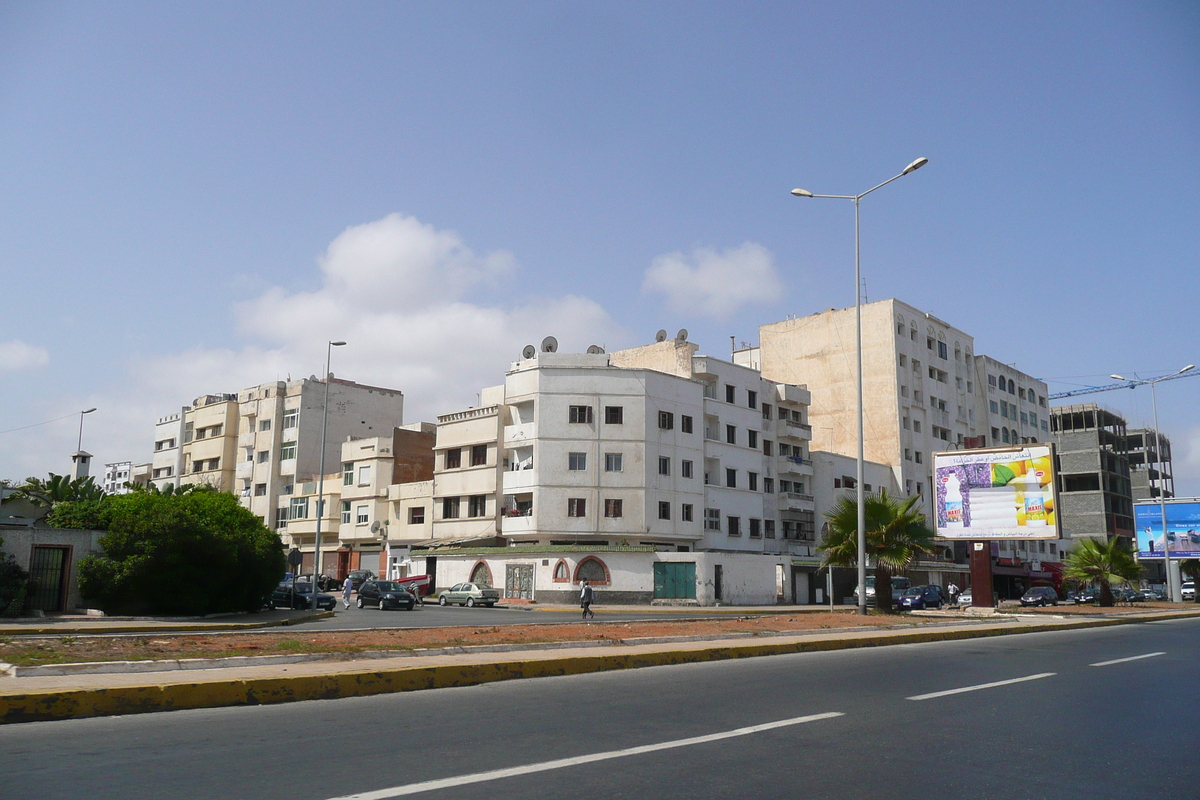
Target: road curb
{"type": "Point", "coordinates": [80, 703]}
{"type": "Point", "coordinates": [193, 627]}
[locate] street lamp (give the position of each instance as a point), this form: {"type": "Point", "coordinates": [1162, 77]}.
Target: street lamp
{"type": "Point", "coordinates": [321, 475]}
{"type": "Point", "coordinates": [79, 444]}
{"type": "Point", "coordinates": [1173, 590]}
{"type": "Point", "coordinates": [862, 522]}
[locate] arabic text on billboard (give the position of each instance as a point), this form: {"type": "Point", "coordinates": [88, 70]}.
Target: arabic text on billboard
{"type": "Point", "coordinates": [1183, 529]}
{"type": "Point", "coordinates": [998, 493]}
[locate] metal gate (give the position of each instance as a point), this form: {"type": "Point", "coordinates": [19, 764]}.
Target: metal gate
{"type": "Point", "coordinates": [518, 581]}
{"type": "Point", "coordinates": [675, 580]}
{"type": "Point", "coordinates": [47, 576]}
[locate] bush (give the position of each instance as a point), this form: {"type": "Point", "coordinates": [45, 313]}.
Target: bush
{"type": "Point", "coordinates": [179, 555]}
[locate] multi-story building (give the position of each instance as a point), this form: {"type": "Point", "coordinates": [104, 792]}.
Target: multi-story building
{"type": "Point", "coordinates": [1094, 491]}
{"type": "Point", "coordinates": [166, 464]}
{"type": "Point", "coordinates": [120, 473]}
{"type": "Point", "coordinates": [209, 449]}
{"type": "Point", "coordinates": [280, 429]}
{"type": "Point", "coordinates": [1150, 464]}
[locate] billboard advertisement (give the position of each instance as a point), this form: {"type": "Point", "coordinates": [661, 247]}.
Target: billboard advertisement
{"type": "Point", "coordinates": [996, 493]}
{"type": "Point", "coordinates": [1183, 529]}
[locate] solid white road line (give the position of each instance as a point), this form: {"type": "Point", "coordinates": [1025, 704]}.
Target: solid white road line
{"type": "Point", "coordinates": [1123, 660]}
{"type": "Point", "coordinates": [481, 777]}
{"type": "Point", "coordinates": [932, 695]}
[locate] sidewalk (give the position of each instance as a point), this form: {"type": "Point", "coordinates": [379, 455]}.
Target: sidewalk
{"type": "Point", "coordinates": [77, 696]}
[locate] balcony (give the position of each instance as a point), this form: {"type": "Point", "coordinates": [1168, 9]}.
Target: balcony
{"type": "Point", "coordinates": [245, 469]}
{"type": "Point", "coordinates": [794, 465]}
{"type": "Point", "coordinates": [794, 501]}
{"type": "Point", "coordinates": [246, 439]}
{"type": "Point", "coordinates": [522, 480]}
{"type": "Point", "coordinates": [800, 547]}
{"type": "Point", "coordinates": [794, 430]}
{"type": "Point", "coordinates": [517, 434]}
{"type": "Point", "coordinates": [518, 524]}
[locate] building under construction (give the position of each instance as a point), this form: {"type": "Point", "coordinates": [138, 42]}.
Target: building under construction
{"type": "Point", "coordinates": [1094, 490]}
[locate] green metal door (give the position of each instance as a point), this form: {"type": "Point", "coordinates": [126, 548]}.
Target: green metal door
{"type": "Point", "coordinates": [675, 580]}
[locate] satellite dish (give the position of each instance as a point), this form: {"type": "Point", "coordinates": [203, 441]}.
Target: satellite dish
{"type": "Point", "coordinates": [549, 345]}
{"type": "Point", "coordinates": [682, 335]}
{"type": "Point", "coordinates": [661, 336]}
{"type": "Point", "coordinates": [376, 527]}
{"type": "Point", "coordinates": [529, 352]}
{"type": "Point", "coordinates": [595, 349]}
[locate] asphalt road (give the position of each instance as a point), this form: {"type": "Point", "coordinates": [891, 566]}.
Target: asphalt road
{"type": "Point", "coordinates": [1052, 715]}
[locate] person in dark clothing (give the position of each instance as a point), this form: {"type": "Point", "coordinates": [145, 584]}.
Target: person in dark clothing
{"type": "Point", "coordinates": [586, 597]}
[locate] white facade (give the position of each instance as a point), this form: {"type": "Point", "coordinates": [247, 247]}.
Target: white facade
{"type": "Point", "coordinates": [167, 462]}
{"type": "Point", "coordinates": [115, 476]}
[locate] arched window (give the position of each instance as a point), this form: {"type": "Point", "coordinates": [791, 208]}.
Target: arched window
{"type": "Point", "coordinates": [481, 575]}
{"type": "Point", "coordinates": [592, 570]}
{"type": "Point", "coordinates": [1004, 434]}
{"type": "Point", "coordinates": [561, 573]}
{"type": "Point", "coordinates": [1012, 386]}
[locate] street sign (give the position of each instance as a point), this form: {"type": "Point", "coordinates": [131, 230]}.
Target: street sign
{"type": "Point", "coordinates": [295, 557]}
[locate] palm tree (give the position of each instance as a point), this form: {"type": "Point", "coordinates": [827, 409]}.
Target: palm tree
{"type": "Point", "coordinates": [896, 536]}
{"type": "Point", "coordinates": [58, 489]}
{"type": "Point", "coordinates": [1102, 563]}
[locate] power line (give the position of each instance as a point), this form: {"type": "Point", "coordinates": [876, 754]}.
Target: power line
{"type": "Point", "coordinates": [37, 424]}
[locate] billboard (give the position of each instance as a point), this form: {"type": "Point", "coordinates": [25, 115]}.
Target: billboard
{"type": "Point", "coordinates": [1183, 528]}
{"type": "Point", "coordinates": [996, 493]}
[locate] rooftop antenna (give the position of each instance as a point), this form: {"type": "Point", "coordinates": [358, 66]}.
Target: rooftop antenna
{"type": "Point", "coordinates": [732, 345]}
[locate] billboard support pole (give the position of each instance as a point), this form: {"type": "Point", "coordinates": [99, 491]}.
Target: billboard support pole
{"type": "Point", "coordinates": [981, 575]}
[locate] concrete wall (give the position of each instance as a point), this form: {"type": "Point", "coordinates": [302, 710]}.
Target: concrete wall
{"type": "Point", "coordinates": [19, 542]}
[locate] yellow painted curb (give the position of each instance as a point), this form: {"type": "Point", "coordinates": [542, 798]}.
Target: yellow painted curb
{"type": "Point", "coordinates": [80, 703]}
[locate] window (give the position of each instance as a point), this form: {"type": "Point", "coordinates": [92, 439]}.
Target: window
{"type": "Point", "coordinates": [477, 505]}
{"type": "Point", "coordinates": [1024, 418]}
{"type": "Point", "coordinates": [580, 414]}
{"type": "Point", "coordinates": [416, 515]}
{"type": "Point", "coordinates": [576, 507]}
{"type": "Point", "coordinates": [287, 451]}
{"type": "Point", "coordinates": [201, 433]}
{"type": "Point", "coordinates": [362, 515]}
{"type": "Point", "coordinates": [612, 508]}
{"type": "Point", "coordinates": [731, 434]}
{"type": "Point", "coordinates": [767, 447]}
{"type": "Point", "coordinates": [712, 519]}
{"type": "Point", "coordinates": [1004, 409]}
{"type": "Point", "coordinates": [685, 423]}
{"type": "Point", "coordinates": [612, 462]}
{"type": "Point", "coordinates": [735, 526]}
{"type": "Point", "coordinates": [479, 455]}
{"type": "Point", "coordinates": [347, 474]}
{"type": "Point", "coordinates": [731, 478]}
{"type": "Point", "coordinates": [920, 488]}
{"type": "Point", "coordinates": [769, 485]}
{"type": "Point", "coordinates": [769, 528]}
{"type": "Point", "coordinates": [766, 409]}
{"type": "Point", "coordinates": [907, 454]}
{"type": "Point", "coordinates": [216, 430]}
{"type": "Point", "coordinates": [260, 490]}
{"type": "Point", "coordinates": [291, 419]}
{"type": "Point", "coordinates": [755, 528]}
{"type": "Point", "coordinates": [664, 465]}
{"type": "Point", "coordinates": [752, 439]}
{"type": "Point", "coordinates": [298, 508]}
{"type": "Point", "coordinates": [560, 572]}
{"type": "Point", "coordinates": [364, 474]}
{"type": "Point", "coordinates": [903, 391]}
{"type": "Point", "coordinates": [614, 415]}
{"type": "Point", "coordinates": [916, 426]}
{"type": "Point", "coordinates": [917, 456]}
{"type": "Point", "coordinates": [264, 456]}
{"type": "Point", "coordinates": [730, 394]}
{"type": "Point", "coordinates": [941, 349]}
{"type": "Point", "coordinates": [576, 461]}
{"type": "Point", "coordinates": [995, 434]}
{"type": "Point", "coordinates": [685, 469]}
{"type": "Point", "coordinates": [345, 512]}
{"type": "Point", "coordinates": [752, 399]}
{"type": "Point", "coordinates": [993, 406]}
{"type": "Point", "coordinates": [664, 509]}
{"type": "Point", "coordinates": [666, 420]}
{"type": "Point", "coordinates": [929, 342]}
{"type": "Point", "coordinates": [450, 508]}
{"type": "Point", "coordinates": [592, 570]}
{"type": "Point", "coordinates": [905, 423]}
{"type": "Point", "coordinates": [903, 360]}
{"type": "Point", "coordinates": [453, 458]}
{"type": "Point", "coordinates": [1004, 435]}
{"type": "Point", "coordinates": [785, 449]}
{"type": "Point", "coordinates": [264, 425]}
{"type": "Point", "coordinates": [752, 481]}
{"type": "Point", "coordinates": [685, 512]}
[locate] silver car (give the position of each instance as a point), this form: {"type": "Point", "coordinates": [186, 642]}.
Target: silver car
{"type": "Point", "coordinates": [468, 594]}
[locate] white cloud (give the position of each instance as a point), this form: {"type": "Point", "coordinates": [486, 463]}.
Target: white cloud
{"type": "Point", "coordinates": [715, 283]}
{"type": "Point", "coordinates": [16, 355]}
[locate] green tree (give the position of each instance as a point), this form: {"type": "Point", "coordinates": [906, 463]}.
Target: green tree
{"type": "Point", "coordinates": [896, 536]}
{"type": "Point", "coordinates": [1191, 568]}
{"type": "Point", "coordinates": [58, 489]}
{"type": "Point", "coordinates": [1101, 563]}
{"type": "Point", "coordinates": [13, 580]}
{"type": "Point", "coordinates": [180, 554]}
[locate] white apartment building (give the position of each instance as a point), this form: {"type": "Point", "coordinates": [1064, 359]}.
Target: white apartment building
{"type": "Point", "coordinates": [119, 473]}
{"type": "Point", "coordinates": [167, 461]}
{"type": "Point", "coordinates": [209, 449]}
{"type": "Point", "coordinates": [279, 435]}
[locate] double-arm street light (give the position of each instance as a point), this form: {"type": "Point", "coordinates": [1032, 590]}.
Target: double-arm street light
{"type": "Point", "coordinates": [862, 524]}
{"type": "Point", "coordinates": [321, 475]}
{"type": "Point", "coordinates": [1174, 591]}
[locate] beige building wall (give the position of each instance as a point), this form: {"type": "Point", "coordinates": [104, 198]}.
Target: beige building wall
{"type": "Point", "coordinates": [210, 428]}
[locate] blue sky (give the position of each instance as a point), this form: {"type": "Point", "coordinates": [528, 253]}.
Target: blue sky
{"type": "Point", "coordinates": [195, 197]}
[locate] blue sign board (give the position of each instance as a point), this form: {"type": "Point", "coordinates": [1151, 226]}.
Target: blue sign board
{"type": "Point", "coordinates": [1182, 534]}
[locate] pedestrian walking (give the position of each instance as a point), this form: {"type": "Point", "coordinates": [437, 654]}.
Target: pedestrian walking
{"type": "Point", "coordinates": [586, 598]}
{"type": "Point", "coordinates": [347, 587]}
{"type": "Point", "coordinates": [952, 590]}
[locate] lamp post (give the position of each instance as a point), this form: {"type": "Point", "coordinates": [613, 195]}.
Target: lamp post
{"type": "Point", "coordinates": [862, 523]}
{"type": "Point", "coordinates": [321, 475]}
{"type": "Point", "coordinates": [79, 444]}
{"type": "Point", "coordinates": [1173, 589]}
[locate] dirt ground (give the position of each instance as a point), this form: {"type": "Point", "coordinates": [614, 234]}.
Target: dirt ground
{"type": "Point", "coordinates": [1073, 610]}
{"type": "Point", "coordinates": [28, 652]}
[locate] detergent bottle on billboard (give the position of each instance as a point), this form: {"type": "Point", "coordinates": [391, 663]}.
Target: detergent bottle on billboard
{"type": "Point", "coordinates": [1035, 501]}
{"type": "Point", "coordinates": [954, 502]}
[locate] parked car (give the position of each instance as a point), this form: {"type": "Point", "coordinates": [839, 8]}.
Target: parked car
{"type": "Point", "coordinates": [899, 586]}
{"type": "Point", "coordinates": [1127, 595]}
{"type": "Point", "coordinates": [302, 597]}
{"type": "Point", "coordinates": [1040, 596]}
{"type": "Point", "coordinates": [1088, 595]}
{"type": "Point", "coordinates": [468, 594]}
{"type": "Point", "coordinates": [385, 594]}
{"type": "Point", "coordinates": [325, 583]}
{"type": "Point", "coordinates": [930, 596]}
{"type": "Point", "coordinates": [1188, 590]}
{"type": "Point", "coordinates": [965, 598]}
{"type": "Point", "coordinates": [358, 576]}
{"type": "Point", "coordinates": [1153, 594]}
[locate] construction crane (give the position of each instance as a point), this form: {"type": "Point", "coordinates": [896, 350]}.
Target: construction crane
{"type": "Point", "coordinates": [1122, 385]}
